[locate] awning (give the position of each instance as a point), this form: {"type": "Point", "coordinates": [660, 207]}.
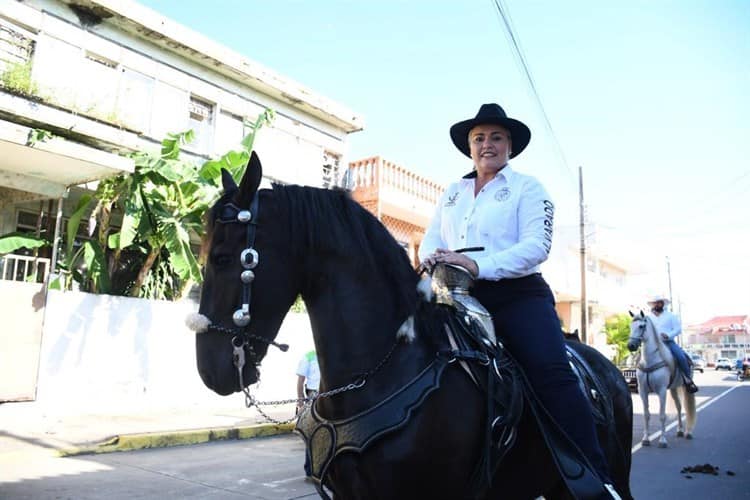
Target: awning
{"type": "Point", "coordinates": [48, 168]}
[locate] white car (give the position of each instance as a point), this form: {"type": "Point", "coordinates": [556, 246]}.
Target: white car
{"type": "Point", "coordinates": [699, 364]}
{"type": "Point", "coordinates": [723, 364]}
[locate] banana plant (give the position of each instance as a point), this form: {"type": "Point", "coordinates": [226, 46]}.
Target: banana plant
{"type": "Point", "coordinates": [164, 205]}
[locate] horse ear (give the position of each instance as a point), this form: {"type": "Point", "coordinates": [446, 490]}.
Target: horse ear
{"type": "Point", "coordinates": [227, 181]}
{"type": "Point", "coordinates": [631, 313]}
{"type": "Point", "coordinates": [642, 315]}
{"type": "Point", "coordinates": [250, 181]}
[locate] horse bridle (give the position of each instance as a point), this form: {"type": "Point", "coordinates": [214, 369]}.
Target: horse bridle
{"type": "Point", "coordinates": [642, 329]}
{"type": "Point", "coordinates": [639, 341]}
{"type": "Point", "coordinates": [249, 258]}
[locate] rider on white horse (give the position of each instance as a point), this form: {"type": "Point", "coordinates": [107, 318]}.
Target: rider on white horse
{"type": "Point", "coordinates": [668, 326]}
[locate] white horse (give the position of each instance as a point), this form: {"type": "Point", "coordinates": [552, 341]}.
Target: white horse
{"type": "Point", "coordinates": [657, 372]}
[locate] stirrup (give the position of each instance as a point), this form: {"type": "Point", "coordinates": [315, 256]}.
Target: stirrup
{"type": "Point", "coordinates": [690, 386]}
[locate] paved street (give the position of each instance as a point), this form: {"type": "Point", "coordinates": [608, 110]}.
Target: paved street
{"type": "Point", "coordinates": [271, 468]}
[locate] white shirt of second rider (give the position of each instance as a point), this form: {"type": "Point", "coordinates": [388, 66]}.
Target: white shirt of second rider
{"type": "Point", "coordinates": [511, 217]}
{"type": "Point", "coordinates": [667, 322]}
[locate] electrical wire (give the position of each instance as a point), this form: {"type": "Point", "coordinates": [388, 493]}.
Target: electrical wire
{"type": "Point", "coordinates": [515, 43]}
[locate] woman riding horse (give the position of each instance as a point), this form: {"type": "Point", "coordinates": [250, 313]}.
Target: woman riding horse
{"type": "Point", "coordinates": [396, 416]}
{"type": "Point", "coordinates": [509, 216]}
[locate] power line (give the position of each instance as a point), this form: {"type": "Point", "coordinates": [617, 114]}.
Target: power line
{"type": "Point", "coordinates": [722, 195]}
{"type": "Point", "coordinates": [504, 16]}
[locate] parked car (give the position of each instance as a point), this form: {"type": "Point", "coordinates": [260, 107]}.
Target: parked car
{"type": "Point", "coordinates": [724, 364]}
{"type": "Point", "coordinates": [627, 368]}
{"type": "Point", "coordinates": [628, 372]}
{"type": "Point", "coordinates": [699, 364]}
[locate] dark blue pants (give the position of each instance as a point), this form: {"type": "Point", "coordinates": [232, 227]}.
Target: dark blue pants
{"type": "Point", "coordinates": [679, 357]}
{"type": "Point", "coordinates": [525, 320]}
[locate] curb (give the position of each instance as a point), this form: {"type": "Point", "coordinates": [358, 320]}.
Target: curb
{"type": "Point", "coordinates": [130, 442]}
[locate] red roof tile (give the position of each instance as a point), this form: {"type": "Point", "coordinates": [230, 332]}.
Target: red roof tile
{"type": "Point", "coordinates": [721, 324]}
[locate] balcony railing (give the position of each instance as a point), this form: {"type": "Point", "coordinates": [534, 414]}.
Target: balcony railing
{"type": "Point", "coordinates": [399, 191]}
{"type": "Point", "coordinates": [24, 268]}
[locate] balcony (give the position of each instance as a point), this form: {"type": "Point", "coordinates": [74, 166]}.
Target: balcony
{"type": "Point", "coordinates": [391, 191]}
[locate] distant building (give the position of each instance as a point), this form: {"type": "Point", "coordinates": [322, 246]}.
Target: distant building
{"type": "Point", "coordinates": [719, 337]}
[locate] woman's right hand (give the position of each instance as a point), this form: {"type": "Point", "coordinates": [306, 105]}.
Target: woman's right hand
{"type": "Point", "coordinates": [443, 256]}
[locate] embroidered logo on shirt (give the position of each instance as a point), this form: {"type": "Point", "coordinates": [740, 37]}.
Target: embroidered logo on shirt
{"type": "Point", "coordinates": [451, 200]}
{"type": "Point", "coordinates": [502, 194]}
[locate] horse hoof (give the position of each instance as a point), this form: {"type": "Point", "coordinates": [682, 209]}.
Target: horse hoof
{"type": "Point", "coordinates": [662, 445]}
{"type": "Point", "coordinates": [689, 436]}
{"type": "Point", "coordinates": [645, 443]}
{"type": "Point", "coordinates": [680, 434]}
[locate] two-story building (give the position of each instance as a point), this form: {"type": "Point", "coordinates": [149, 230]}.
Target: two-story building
{"type": "Point", "coordinates": [720, 337]}
{"type": "Point", "coordinates": [84, 83]}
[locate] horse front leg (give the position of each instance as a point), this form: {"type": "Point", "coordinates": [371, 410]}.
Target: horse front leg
{"type": "Point", "coordinates": [643, 392]}
{"type": "Point", "coordinates": [678, 405]}
{"type": "Point", "coordinates": [663, 417]}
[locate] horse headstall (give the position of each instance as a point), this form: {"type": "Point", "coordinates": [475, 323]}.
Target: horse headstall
{"type": "Point", "coordinates": [241, 339]}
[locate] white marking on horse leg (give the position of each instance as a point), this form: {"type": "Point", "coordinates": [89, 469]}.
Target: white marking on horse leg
{"type": "Point", "coordinates": [406, 330]}
{"type": "Point", "coordinates": [197, 322]}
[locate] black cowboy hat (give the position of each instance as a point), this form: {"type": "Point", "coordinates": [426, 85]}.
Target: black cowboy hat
{"type": "Point", "coordinates": [491, 114]}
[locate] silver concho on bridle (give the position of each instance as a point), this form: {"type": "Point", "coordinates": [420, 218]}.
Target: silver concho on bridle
{"type": "Point", "coordinates": [248, 259]}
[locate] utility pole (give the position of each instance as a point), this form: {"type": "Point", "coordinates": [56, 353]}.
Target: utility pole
{"type": "Point", "coordinates": [669, 280]}
{"type": "Point", "coordinates": [671, 306]}
{"type": "Point", "coordinates": [584, 305]}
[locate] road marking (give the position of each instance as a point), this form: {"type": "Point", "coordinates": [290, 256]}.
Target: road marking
{"type": "Point", "coordinates": [671, 426]}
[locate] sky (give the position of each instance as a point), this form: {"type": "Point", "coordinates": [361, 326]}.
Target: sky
{"type": "Point", "coordinates": [650, 99]}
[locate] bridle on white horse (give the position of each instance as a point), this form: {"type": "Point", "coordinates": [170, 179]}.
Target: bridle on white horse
{"type": "Point", "coordinates": [637, 340]}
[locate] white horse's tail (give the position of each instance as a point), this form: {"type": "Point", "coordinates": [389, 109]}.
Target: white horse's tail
{"type": "Point", "coordinates": [690, 413]}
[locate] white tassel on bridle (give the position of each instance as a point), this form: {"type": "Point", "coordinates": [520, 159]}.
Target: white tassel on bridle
{"type": "Point", "coordinates": [197, 322]}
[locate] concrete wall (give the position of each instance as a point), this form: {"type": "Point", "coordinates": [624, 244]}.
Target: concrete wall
{"type": "Point", "coordinates": [103, 353]}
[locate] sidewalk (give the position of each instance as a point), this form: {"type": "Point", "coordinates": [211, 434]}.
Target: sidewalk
{"type": "Point", "coordinates": [26, 428]}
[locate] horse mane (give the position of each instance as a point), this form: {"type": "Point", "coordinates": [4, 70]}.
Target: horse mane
{"type": "Point", "coordinates": [330, 221]}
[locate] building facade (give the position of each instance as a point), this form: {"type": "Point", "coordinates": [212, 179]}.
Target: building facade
{"type": "Point", "coordinates": [85, 83]}
{"type": "Point", "coordinates": [719, 337]}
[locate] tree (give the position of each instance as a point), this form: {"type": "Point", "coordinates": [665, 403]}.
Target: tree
{"type": "Point", "coordinates": [618, 333]}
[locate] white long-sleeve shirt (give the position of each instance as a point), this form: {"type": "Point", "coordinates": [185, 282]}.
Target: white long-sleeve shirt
{"type": "Point", "coordinates": [511, 217]}
{"type": "Point", "coordinates": [667, 322]}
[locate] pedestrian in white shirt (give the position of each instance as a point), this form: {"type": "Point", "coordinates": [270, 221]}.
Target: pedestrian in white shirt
{"type": "Point", "coordinates": [308, 385]}
{"type": "Point", "coordinates": [510, 215]}
{"type": "Point", "coordinates": [668, 326]}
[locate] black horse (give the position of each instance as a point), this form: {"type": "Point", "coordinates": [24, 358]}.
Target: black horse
{"type": "Point", "coordinates": [268, 246]}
